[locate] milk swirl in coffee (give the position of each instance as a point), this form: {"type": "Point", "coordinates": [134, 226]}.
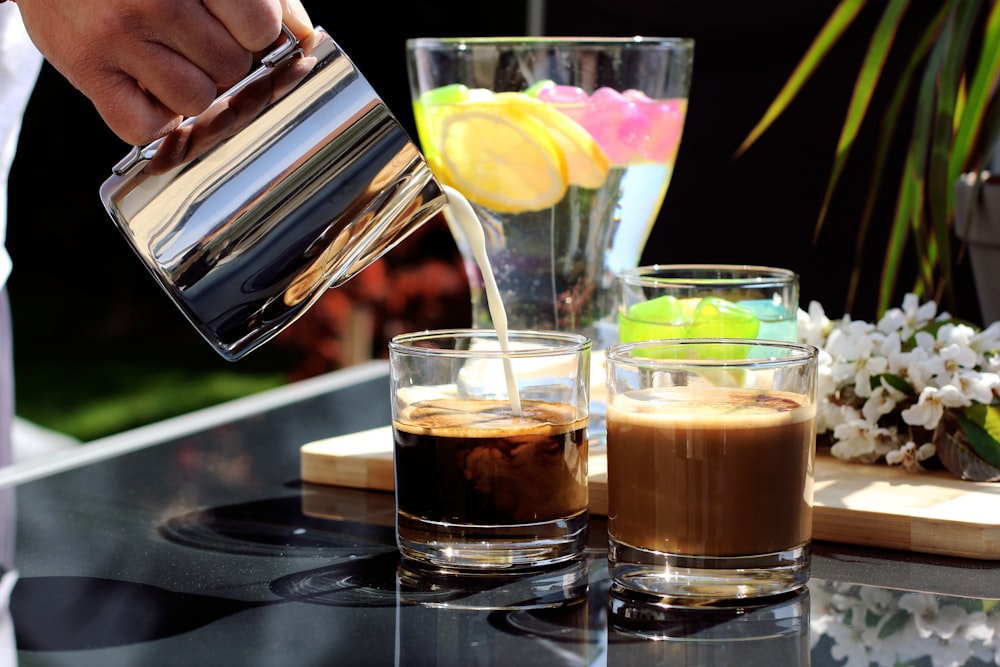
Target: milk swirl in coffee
{"type": "Point", "coordinates": [472, 462]}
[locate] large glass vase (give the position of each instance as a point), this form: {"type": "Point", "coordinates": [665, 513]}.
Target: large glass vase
{"type": "Point", "coordinates": [565, 147]}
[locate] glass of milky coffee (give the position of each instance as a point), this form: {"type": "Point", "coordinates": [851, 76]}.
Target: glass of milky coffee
{"type": "Point", "coordinates": [710, 447]}
{"type": "Point", "coordinates": [490, 447]}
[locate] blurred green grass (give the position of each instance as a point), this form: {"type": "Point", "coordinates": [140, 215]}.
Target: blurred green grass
{"type": "Point", "coordinates": [93, 380]}
{"type": "Point", "coordinates": [121, 395]}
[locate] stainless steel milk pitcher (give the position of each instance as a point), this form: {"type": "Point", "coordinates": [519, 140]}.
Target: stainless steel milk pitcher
{"type": "Point", "coordinates": [290, 183]}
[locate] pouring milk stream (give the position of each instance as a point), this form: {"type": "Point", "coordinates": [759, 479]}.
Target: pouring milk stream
{"type": "Point", "coordinates": [459, 211]}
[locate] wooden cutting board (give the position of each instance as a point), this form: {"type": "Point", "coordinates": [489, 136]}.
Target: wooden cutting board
{"type": "Point", "coordinates": [868, 505]}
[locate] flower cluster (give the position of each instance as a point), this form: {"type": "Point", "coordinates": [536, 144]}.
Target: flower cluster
{"type": "Point", "coordinates": [915, 385]}
{"type": "Point", "coordinates": [877, 626]}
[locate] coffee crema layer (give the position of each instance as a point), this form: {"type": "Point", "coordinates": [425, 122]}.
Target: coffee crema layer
{"type": "Point", "coordinates": [710, 472]}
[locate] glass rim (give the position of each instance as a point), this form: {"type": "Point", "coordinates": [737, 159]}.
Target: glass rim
{"type": "Point", "coordinates": [535, 40]}
{"type": "Point", "coordinates": [661, 274]}
{"type": "Point", "coordinates": [621, 353]}
{"type": "Point", "coordinates": [565, 342]}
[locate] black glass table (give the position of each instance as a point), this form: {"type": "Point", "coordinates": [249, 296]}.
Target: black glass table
{"type": "Point", "coordinates": [194, 542]}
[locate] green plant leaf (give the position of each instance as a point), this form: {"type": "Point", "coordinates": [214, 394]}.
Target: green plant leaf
{"type": "Point", "coordinates": [895, 624]}
{"type": "Point", "coordinates": [838, 23]}
{"type": "Point", "coordinates": [970, 605]}
{"type": "Point", "coordinates": [940, 182]}
{"type": "Point", "coordinates": [911, 202]}
{"type": "Point", "coordinates": [898, 383]}
{"type": "Point", "coordinates": [965, 449]}
{"type": "Point", "coordinates": [955, 124]}
{"type": "Point", "coordinates": [890, 119]}
{"type": "Point", "coordinates": [864, 88]}
{"type": "Point", "coordinates": [973, 136]}
{"type": "Point", "coordinates": [986, 416]}
{"type": "Point", "coordinates": [981, 425]}
{"type": "Point", "coordinates": [908, 206]}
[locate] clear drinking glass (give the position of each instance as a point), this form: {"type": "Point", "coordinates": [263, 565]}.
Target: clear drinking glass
{"type": "Point", "coordinates": [565, 147]}
{"type": "Point", "coordinates": [710, 446]}
{"type": "Point", "coordinates": [707, 301]}
{"type": "Point", "coordinates": [483, 483]}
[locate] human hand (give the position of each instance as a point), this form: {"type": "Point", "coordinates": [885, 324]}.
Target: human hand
{"type": "Point", "coordinates": [233, 111]}
{"type": "Point", "coordinates": [147, 64]}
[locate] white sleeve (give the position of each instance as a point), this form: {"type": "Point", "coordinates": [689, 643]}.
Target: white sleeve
{"type": "Point", "coordinates": [20, 63]}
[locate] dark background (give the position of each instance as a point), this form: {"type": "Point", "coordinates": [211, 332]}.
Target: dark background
{"type": "Point", "coordinates": [77, 291]}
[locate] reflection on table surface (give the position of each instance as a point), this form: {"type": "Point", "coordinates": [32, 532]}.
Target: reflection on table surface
{"type": "Point", "coordinates": [195, 543]}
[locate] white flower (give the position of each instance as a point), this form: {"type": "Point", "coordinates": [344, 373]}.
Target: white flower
{"type": "Point", "coordinates": [930, 344]}
{"type": "Point", "coordinates": [958, 354]}
{"type": "Point", "coordinates": [923, 608]}
{"type": "Point", "coordinates": [978, 627]}
{"type": "Point", "coordinates": [947, 626]}
{"type": "Point", "coordinates": [830, 415]}
{"type": "Point", "coordinates": [955, 332]}
{"type": "Point", "coordinates": [866, 370]}
{"type": "Point", "coordinates": [991, 635]}
{"type": "Point", "coordinates": [909, 318]}
{"type": "Point", "coordinates": [882, 401]}
{"type": "Point", "coordinates": [992, 363]}
{"type": "Point", "coordinates": [909, 456]}
{"type": "Point", "coordinates": [916, 367]}
{"type": "Point", "coordinates": [987, 340]}
{"type": "Point", "coordinates": [861, 440]}
{"type": "Point", "coordinates": [853, 352]}
{"type": "Point", "coordinates": [931, 404]}
{"type": "Point", "coordinates": [871, 626]}
{"type": "Point", "coordinates": [848, 646]}
{"type": "Point", "coordinates": [978, 387]}
{"type": "Point", "coordinates": [890, 345]}
{"type": "Point", "coordinates": [881, 385]}
{"type": "Point", "coordinates": [813, 325]}
{"type": "Point", "coordinates": [955, 358]}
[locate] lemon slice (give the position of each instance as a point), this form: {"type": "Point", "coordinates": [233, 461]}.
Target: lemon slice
{"type": "Point", "coordinates": [500, 157]}
{"type": "Point", "coordinates": [445, 95]}
{"type": "Point", "coordinates": [586, 163]}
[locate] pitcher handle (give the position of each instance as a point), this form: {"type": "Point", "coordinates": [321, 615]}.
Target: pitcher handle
{"type": "Point", "coordinates": [285, 49]}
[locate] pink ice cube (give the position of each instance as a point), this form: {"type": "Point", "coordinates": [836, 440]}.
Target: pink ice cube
{"type": "Point", "coordinates": [626, 125]}
{"type": "Point", "coordinates": [559, 94]}
{"type": "Point", "coordinates": [611, 120]}
{"type": "Point", "coordinates": [666, 122]}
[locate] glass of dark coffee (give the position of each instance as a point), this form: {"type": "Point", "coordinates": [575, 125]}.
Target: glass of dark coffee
{"type": "Point", "coordinates": [490, 447]}
{"type": "Point", "coordinates": [711, 445]}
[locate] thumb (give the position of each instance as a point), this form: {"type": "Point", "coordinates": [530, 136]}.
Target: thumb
{"type": "Point", "coordinates": [296, 18]}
